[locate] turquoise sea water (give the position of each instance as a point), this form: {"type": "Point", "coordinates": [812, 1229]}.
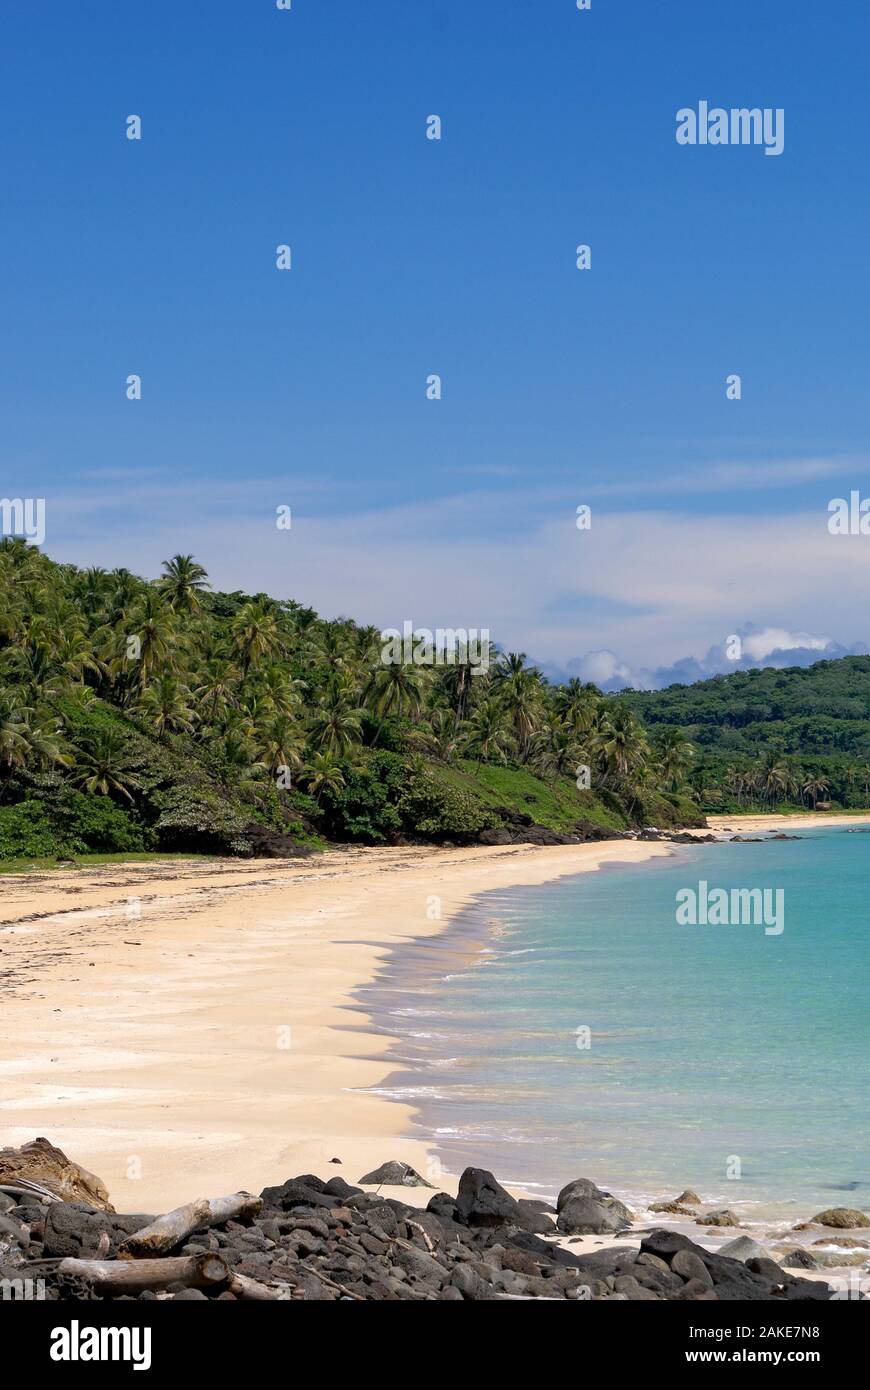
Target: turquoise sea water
{"type": "Point", "coordinates": [716, 1051]}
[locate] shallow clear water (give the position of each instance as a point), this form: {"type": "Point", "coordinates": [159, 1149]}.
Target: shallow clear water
{"type": "Point", "coordinates": [721, 1058]}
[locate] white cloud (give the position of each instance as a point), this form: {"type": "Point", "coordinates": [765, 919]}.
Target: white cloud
{"type": "Point", "coordinates": [758, 645]}
{"type": "Point", "coordinates": [650, 586]}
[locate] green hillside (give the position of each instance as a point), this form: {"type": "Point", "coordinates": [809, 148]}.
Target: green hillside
{"type": "Point", "coordinates": [772, 738]}
{"type": "Point", "coordinates": [143, 717]}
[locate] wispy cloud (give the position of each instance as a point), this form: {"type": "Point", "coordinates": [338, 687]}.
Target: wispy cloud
{"type": "Point", "coordinates": [650, 585]}
{"type": "Point", "coordinates": [733, 476]}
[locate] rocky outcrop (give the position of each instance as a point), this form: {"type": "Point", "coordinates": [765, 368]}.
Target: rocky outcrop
{"type": "Point", "coordinates": [267, 843]}
{"type": "Point", "coordinates": [394, 1175]}
{"type": "Point", "coordinates": [39, 1165]}
{"type": "Point", "coordinates": [842, 1218]}
{"type": "Point", "coordinates": [310, 1240]}
{"type": "Point", "coordinates": [718, 1218]}
{"type": "Point", "coordinates": [583, 1209]}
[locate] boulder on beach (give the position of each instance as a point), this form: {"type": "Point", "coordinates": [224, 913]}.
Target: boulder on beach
{"type": "Point", "coordinates": [316, 1240]}
{"type": "Point", "coordinates": [482, 1201]}
{"type": "Point", "coordinates": [678, 1206]}
{"type": "Point", "coordinates": [593, 1216]}
{"type": "Point", "coordinates": [743, 1248]}
{"type": "Point", "coordinates": [843, 1218]}
{"type": "Point", "coordinates": [394, 1174]}
{"type": "Point", "coordinates": [718, 1218]}
{"type": "Point", "coordinates": [843, 1242]}
{"type": "Point", "coordinates": [580, 1187]}
{"type": "Point", "coordinates": [534, 1216]}
{"type": "Point", "coordinates": [799, 1259]}
{"type": "Point", "coordinates": [39, 1166]}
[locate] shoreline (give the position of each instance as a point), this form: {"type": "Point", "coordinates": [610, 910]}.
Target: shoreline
{"type": "Point", "coordinates": [173, 1084]}
{"type": "Point", "coordinates": [202, 1049]}
{"type": "Point", "coordinates": [745, 821]}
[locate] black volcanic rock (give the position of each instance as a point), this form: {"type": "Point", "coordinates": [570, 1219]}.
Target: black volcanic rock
{"type": "Point", "coordinates": [394, 1174]}
{"type": "Point", "coordinates": [327, 1242]}
{"type": "Point", "coordinates": [483, 1202]}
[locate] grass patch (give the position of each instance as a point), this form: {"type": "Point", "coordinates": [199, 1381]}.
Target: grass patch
{"type": "Point", "coordinates": [89, 861]}
{"type": "Point", "coordinates": [558, 805]}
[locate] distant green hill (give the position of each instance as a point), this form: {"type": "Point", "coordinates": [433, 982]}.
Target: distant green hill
{"type": "Point", "coordinates": [766, 738]}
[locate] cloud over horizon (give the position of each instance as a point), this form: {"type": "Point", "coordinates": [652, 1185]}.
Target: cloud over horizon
{"type": "Point", "coordinates": [634, 600]}
{"type": "Point", "coordinates": [760, 647]}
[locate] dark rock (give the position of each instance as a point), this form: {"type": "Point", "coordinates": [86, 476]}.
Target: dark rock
{"type": "Point", "coordinates": [689, 1266]}
{"type": "Point", "coordinates": [329, 1245]}
{"type": "Point", "coordinates": [74, 1229]}
{"type": "Point", "coordinates": [266, 843]}
{"type": "Point", "coordinates": [382, 1220]}
{"type": "Point", "coordinates": [483, 1202]}
{"type": "Point", "coordinates": [743, 1248]}
{"type": "Point", "coordinates": [627, 1284]}
{"type": "Point", "coordinates": [296, 1193]}
{"type": "Point", "coordinates": [337, 1187]}
{"type": "Point", "coordinates": [696, 1291]}
{"type": "Point", "coordinates": [470, 1284]}
{"type": "Point", "coordinates": [442, 1205]}
{"type": "Point", "coordinates": [533, 1219]}
{"type": "Point", "coordinates": [665, 1244]}
{"type": "Point", "coordinates": [586, 1216]}
{"type": "Point", "coordinates": [394, 1174]}
{"type": "Point", "coordinates": [767, 1267]}
{"type": "Point", "coordinates": [800, 1259]}
{"type": "Point", "coordinates": [580, 1187]}
{"type": "Point", "coordinates": [519, 1262]}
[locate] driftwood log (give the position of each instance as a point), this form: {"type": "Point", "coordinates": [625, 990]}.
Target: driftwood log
{"type": "Point", "coordinates": [251, 1290]}
{"type": "Point", "coordinates": [173, 1229]}
{"type": "Point", "coordinates": [133, 1276]}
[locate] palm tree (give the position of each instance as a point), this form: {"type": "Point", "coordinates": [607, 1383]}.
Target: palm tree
{"type": "Point", "coordinates": [621, 744]}
{"type": "Point", "coordinates": [322, 775]}
{"type": "Point", "coordinates": [182, 584]}
{"type": "Point", "coordinates": [27, 739]}
{"type": "Point", "coordinates": [510, 664]}
{"type": "Point", "coordinates": [774, 778]}
{"type": "Point", "coordinates": [396, 689]}
{"type": "Point", "coordinates": [578, 705]}
{"type": "Point", "coordinates": [255, 634]}
{"type": "Point", "coordinates": [218, 687]}
{"type": "Point", "coordinates": [488, 739]}
{"type": "Point", "coordinates": [279, 744]}
{"type": "Point", "coordinates": [520, 696]}
{"type": "Point", "coordinates": [164, 705]}
{"type": "Point", "coordinates": [336, 726]}
{"type": "Point", "coordinates": [277, 690]}
{"type": "Point", "coordinates": [735, 781]}
{"type": "Point", "coordinates": [675, 755]}
{"type": "Point", "coordinates": [442, 736]}
{"type": "Point", "coordinates": [152, 625]}
{"type": "Point", "coordinates": [817, 788]}
{"type": "Point", "coordinates": [102, 765]}
{"type": "Point", "coordinates": [456, 680]}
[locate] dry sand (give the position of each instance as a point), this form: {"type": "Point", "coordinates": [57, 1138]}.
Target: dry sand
{"type": "Point", "coordinates": [746, 824]}
{"type": "Point", "coordinates": [182, 1028]}
{"type": "Point", "coordinates": [185, 1028]}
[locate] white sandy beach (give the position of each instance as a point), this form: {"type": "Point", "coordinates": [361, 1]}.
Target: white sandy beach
{"type": "Point", "coordinates": [182, 1028]}
{"type": "Point", "coordinates": [746, 824]}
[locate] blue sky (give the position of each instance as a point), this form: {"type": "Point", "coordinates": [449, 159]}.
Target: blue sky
{"type": "Point", "coordinates": [456, 257]}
